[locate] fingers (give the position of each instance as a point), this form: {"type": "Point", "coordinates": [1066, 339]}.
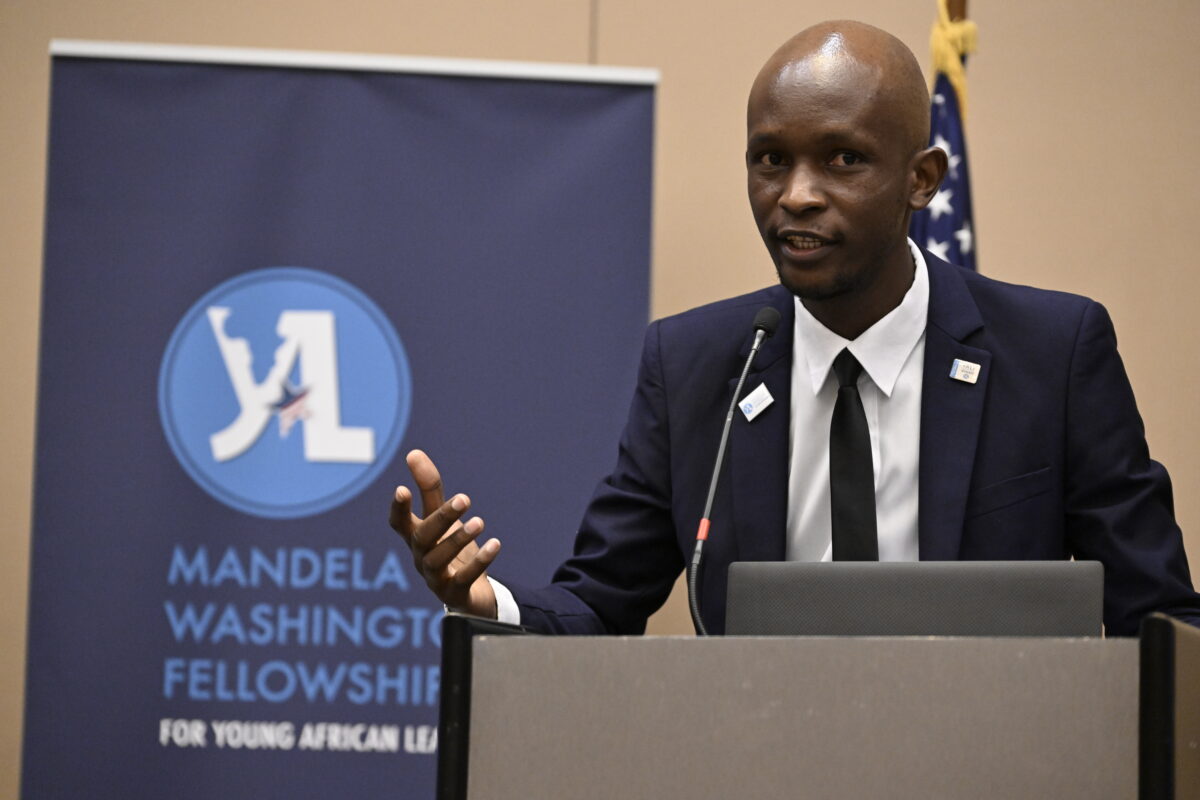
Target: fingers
{"type": "Point", "coordinates": [437, 532]}
{"type": "Point", "coordinates": [443, 548]}
{"type": "Point", "coordinates": [401, 517]}
{"type": "Point", "coordinates": [433, 528]}
{"type": "Point", "coordinates": [429, 480]}
{"type": "Point", "coordinates": [445, 551]}
{"type": "Point", "coordinates": [471, 572]}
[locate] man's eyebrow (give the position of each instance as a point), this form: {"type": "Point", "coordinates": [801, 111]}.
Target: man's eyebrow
{"type": "Point", "coordinates": [848, 134]}
{"type": "Point", "coordinates": [851, 137]}
{"type": "Point", "coordinates": [760, 139]}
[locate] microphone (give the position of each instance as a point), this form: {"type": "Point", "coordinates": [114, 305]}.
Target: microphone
{"type": "Point", "coordinates": [766, 321]}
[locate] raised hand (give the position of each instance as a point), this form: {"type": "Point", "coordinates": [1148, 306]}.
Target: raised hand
{"type": "Point", "coordinates": [444, 550]}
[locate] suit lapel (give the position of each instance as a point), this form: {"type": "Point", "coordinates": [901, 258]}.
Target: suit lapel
{"type": "Point", "coordinates": [951, 411]}
{"type": "Point", "coordinates": [758, 450]}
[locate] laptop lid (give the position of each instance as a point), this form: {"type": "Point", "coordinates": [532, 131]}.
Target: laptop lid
{"type": "Point", "coordinates": [924, 598]}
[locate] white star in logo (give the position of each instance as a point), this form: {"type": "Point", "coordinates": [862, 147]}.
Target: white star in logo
{"type": "Point", "coordinates": [940, 204]}
{"type": "Point", "coordinates": [965, 239]}
{"type": "Point", "coordinates": [940, 141]}
{"type": "Point", "coordinates": [939, 249]}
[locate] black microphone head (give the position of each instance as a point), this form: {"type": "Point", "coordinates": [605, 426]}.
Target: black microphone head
{"type": "Point", "coordinates": [766, 320]}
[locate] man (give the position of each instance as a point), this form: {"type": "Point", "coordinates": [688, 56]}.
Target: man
{"type": "Point", "coordinates": [1001, 422]}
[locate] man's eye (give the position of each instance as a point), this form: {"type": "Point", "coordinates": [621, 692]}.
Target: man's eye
{"type": "Point", "coordinates": [770, 159]}
{"type": "Point", "coordinates": [846, 159]}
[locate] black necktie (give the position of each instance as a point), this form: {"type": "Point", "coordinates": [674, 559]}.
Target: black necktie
{"type": "Point", "coordinates": [851, 476]}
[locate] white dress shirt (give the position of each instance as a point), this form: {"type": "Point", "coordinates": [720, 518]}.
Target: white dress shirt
{"type": "Point", "coordinates": [892, 353]}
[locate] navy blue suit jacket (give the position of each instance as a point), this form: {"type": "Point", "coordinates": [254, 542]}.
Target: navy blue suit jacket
{"type": "Point", "coordinates": [1043, 458]}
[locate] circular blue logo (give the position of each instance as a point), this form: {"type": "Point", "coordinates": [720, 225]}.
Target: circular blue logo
{"type": "Point", "coordinates": [284, 392]}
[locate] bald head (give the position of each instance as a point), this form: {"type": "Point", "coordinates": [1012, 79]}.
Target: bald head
{"type": "Point", "coordinates": [836, 162]}
{"type": "Point", "coordinates": [877, 64]}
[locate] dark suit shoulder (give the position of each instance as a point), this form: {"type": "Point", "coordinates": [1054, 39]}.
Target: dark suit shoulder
{"type": "Point", "coordinates": [1002, 307]}
{"type": "Point", "coordinates": [1017, 300]}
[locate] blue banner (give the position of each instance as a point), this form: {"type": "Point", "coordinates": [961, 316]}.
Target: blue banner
{"type": "Point", "coordinates": [263, 286]}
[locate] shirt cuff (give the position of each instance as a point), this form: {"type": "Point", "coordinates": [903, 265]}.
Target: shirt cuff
{"type": "Point", "coordinates": [507, 610]}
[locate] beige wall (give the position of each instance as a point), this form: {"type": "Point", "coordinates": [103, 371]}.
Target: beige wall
{"type": "Point", "coordinates": [1082, 126]}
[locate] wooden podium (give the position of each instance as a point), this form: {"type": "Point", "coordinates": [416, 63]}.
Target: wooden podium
{"type": "Point", "coordinates": [824, 717]}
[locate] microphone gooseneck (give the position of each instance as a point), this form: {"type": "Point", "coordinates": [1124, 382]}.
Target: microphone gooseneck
{"type": "Point", "coordinates": [766, 321]}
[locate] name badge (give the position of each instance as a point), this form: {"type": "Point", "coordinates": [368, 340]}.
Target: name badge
{"type": "Point", "coordinates": [965, 371]}
{"type": "Point", "coordinates": [756, 402]}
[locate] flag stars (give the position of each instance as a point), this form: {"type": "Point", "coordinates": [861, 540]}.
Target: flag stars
{"type": "Point", "coordinates": [939, 249]}
{"type": "Point", "coordinates": [965, 238]}
{"type": "Point", "coordinates": [940, 141]}
{"type": "Point", "coordinates": [940, 204]}
{"type": "Point", "coordinates": [944, 225]}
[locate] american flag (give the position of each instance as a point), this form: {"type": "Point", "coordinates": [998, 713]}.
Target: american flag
{"type": "Point", "coordinates": [946, 227]}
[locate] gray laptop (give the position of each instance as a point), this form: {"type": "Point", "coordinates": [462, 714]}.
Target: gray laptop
{"type": "Point", "coordinates": [926, 598]}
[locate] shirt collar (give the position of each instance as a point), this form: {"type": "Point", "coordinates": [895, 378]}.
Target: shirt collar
{"type": "Point", "coordinates": [882, 348]}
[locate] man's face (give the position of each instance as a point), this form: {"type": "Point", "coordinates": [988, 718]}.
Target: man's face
{"type": "Point", "coordinates": [828, 176]}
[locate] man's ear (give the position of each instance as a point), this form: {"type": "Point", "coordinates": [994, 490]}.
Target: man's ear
{"type": "Point", "coordinates": [925, 174]}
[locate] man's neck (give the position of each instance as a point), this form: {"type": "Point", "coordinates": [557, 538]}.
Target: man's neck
{"type": "Point", "coordinates": [852, 312]}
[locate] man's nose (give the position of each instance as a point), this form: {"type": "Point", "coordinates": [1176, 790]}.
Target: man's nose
{"type": "Point", "coordinates": [802, 191]}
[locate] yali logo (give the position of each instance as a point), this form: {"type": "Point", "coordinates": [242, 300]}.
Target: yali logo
{"type": "Point", "coordinates": [312, 334]}
{"type": "Point", "coordinates": [296, 352]}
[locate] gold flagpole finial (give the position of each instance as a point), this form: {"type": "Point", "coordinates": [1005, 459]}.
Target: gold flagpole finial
{"type": "Point", "coordinates": [949, 41]}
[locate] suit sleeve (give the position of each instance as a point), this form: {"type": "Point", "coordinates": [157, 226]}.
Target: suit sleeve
{"type": "Point", "coordinates": [626, 555]}
{"type": "Point", "coordinates": [1119, 507]}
